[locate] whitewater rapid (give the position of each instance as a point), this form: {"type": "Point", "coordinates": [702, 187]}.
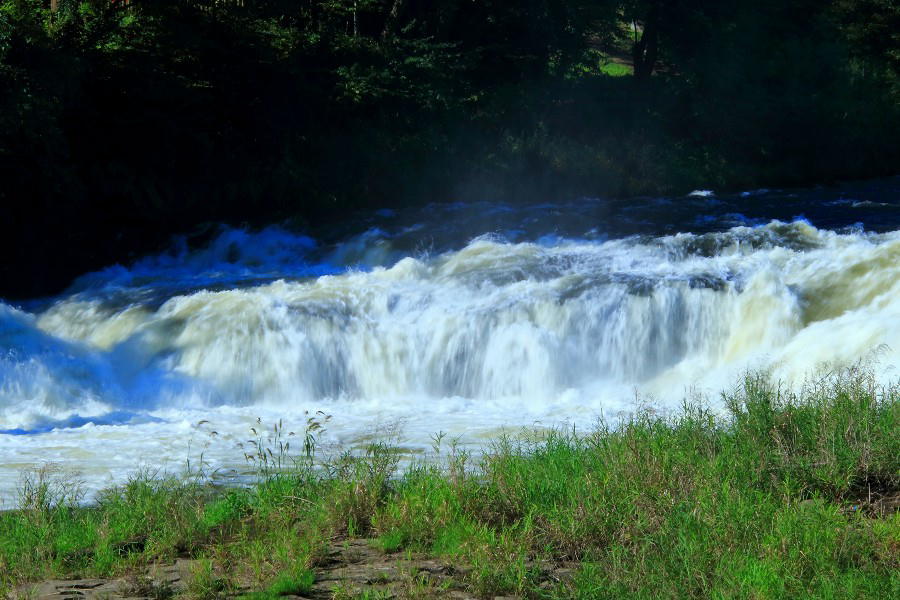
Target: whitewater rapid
{"type": "Point", "coordinates": [139, 366]}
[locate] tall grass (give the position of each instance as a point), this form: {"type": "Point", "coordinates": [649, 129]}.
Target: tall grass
{"type": "Point", "coordinates": [784, 497]}
{"type": "Point", "coordinates": [789, 494]}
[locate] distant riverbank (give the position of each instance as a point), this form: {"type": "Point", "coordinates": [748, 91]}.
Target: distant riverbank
{"type": "Point", "coordinates": [123, 124]}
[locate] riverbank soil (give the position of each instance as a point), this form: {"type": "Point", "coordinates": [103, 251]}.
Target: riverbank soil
{"type": "Point", "coordinates": [351, 568]}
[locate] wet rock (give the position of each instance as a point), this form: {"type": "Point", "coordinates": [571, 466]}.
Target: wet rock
{"type": "Point", "coordinates": [69, 590]}
{"type": "Point", "coordinates": [159, 582]}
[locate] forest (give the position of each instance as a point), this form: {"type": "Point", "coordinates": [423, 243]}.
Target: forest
{"type": "Point", "coordinates": [123, 123]}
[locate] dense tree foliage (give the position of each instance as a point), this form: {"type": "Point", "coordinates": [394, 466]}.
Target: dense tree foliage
{"type": "Point", "coordinates": [124, 122]}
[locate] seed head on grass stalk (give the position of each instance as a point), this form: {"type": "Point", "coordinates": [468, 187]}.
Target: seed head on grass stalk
{"type": "Point", "coordinates": [269, 452]}
{"type": "Point", "coordinates": [47, 487]}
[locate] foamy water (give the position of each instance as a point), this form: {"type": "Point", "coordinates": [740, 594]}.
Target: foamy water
{"type": "Point", "coordinates": [407, 330]}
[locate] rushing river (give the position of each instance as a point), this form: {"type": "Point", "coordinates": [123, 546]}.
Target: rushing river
{"type": "Point", "coordinates": [463, 318]}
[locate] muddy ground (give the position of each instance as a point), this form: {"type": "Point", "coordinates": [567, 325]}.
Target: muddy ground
{"type": "Point", "coordinates": [351, 568]}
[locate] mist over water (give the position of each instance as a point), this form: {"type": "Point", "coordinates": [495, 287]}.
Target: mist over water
{"type": "Point", "coordinates": [461, 318]}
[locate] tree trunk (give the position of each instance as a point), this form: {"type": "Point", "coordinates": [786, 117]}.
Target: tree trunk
{"type": "Point", "coordinates": [645, 50]}
{"type": "Point", "coordinates": [390, 23]}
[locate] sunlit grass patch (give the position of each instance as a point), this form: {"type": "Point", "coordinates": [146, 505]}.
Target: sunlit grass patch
{"type": "Point", "coordinates": [616, 69]}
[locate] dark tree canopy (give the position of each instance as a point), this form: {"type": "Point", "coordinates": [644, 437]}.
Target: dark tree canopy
{"type": "Point", "coordinates": [122, 123]}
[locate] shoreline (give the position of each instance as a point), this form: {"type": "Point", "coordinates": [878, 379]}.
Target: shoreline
{"type": "Point", "coordinates": [806, 487]}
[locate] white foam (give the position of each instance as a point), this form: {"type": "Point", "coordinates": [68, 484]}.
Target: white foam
{"type": "Point", "coordinates": [494, 334]}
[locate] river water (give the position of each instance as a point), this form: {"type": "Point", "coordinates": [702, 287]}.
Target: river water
{"type": "Point", "coordinates": [469, 318]}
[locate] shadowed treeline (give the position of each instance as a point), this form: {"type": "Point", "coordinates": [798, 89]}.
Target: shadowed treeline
{"type": "Point", "coordinates": [122, 123]}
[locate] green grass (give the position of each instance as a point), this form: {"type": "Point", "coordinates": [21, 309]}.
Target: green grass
{"type": "Point", "coordinates": [786, 495]}
{"type": "Point", "coordinates": [288, 583]}
{"type": "Point", "coordinates": [614, 69]}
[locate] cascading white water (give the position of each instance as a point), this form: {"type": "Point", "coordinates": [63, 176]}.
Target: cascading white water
{"type": "Point", "coordinates": [118, 372]}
